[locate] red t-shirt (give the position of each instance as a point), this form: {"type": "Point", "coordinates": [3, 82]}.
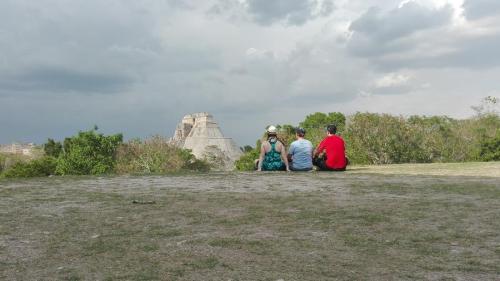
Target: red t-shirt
{"type": "Point", "coordinates": [335, 152]}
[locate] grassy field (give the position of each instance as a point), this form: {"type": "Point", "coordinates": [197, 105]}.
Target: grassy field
{"type": "Point", "coordinates": [399, 222]}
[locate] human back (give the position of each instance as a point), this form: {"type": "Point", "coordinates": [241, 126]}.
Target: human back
{"type": "Point", "coordinates": [300, 152]}
{"type": "Point", "coordinates": [272, 157]}
{"type": "Point", "coordinates": [272, 153]}
{"type": "Point", "coordinates": [334, 148]}
{"type": "Point", "coordinates": [330, 153]}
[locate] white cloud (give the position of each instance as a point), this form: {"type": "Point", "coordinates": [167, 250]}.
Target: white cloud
{"type": "Point", "coordinates": [392, 80]}
{"type": "Point", "coordinates": [254, 53]}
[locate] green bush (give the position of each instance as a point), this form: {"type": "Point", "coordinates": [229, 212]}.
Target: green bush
{"type": "Point", "coordinates": [247, 160]}
{"type": "Point", "coordinates": [52, 148]}
{"type": "Point", "coordinates": [44, 166]}
{"type": "Point", "coordinates": [155, 156]}
{"type": "Point", "coordinates": [88, 153]}
{"type": "Point", "coordinates": [377, 139]}
{"type": "Point", "coordinates": [2, 162]}
{"type": "Point", "coordinates": [490, 148]}
{"type": "Point", "coordinates": [321, 120]}
{"type": "Point", "coordinates": [384, 139]}
{"type": "Point", "coordinates": [8, 160]}
{"type": "Point", "coordinates": [432, 136]}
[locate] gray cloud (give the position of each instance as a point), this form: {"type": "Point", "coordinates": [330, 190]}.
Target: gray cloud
{"type": "Point", "coordinates": [376, 32]}
{"type": "Point", "coordinates": [138, 67]}
{"type": "Point", "coordinates": [89, 46]}
{"type": "Point", "coordinates": [472, 53]}
{"type": "Point", "coordinates": [475, 9]}
{"type": "Point", "coordinates": [76, 47]}
{"type": "Point", "coordinates": [400, 22]}
{"type": "Point", "coordinates": [416, 37]}
{"type": "Point", "coordinates": [483, 52]}
{"type": "Point", "coordinates": [294, 12]}
{"type": "Point", "coordinates": [59, 80]}
{"type": "Point", "coordinates": [265, 12]}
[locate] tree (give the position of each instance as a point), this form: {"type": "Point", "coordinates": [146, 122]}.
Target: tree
{"type": "Point", "coordinates": [88, 153]}
{"type": "Point", "coordinates": [489, 106]}
{"type": "Point", "coordinates": [321, 120]}
{"type": "Point", "coordinates": [246, 148]}
{"type": "Point", "coordinates": [52, 148]}
{"type": "Point", "coordinates": [490, 148]}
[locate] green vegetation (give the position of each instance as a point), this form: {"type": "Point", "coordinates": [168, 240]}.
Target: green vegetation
{"type": "Point", "coordinates": [490, 148]}
{"type": "Point", "coordinates": [2, 162]}
{"type": "Point", "coordinates": [52, 148]}
{"type": "Point", "coordinates": [373, 138]}
{"type": "Point", "coordinates": [41, 167]}
{"type": "Point", "coordinates": [246, 162]}
{"type": "Point", "coordinates": [370, 138]}
{"type": "Point", "coordinates": [92, 153]}
{"type": "Point", "coordinates": [155, 156]}
{"type": "Point", "coordinates": [88, 153]}
{"type": "Point", "coordinates": [386, 139]}
{"type": "Point", "coordinates": [8, 160]}
{"type": "Point", "coordinates": [321, 120]}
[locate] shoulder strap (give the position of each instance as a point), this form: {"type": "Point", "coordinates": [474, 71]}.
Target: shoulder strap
{"type": "Point", "coordinates": [273, 145]}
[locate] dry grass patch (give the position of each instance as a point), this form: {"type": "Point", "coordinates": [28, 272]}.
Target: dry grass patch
{"type": "Point", "coordinates": [317, 226]}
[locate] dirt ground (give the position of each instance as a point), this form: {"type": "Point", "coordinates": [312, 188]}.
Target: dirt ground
{"type": "Point", "coordinates": [397, 222]}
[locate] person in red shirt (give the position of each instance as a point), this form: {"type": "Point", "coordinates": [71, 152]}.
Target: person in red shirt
{"type": "Point", "coordinates": [330, 153]}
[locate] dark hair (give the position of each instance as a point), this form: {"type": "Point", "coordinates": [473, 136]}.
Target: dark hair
{"type": "Point", "coordinates": [269, 135]}
{"type": "Point", "coordinates": [332, 129]}
{"type": "Point", "coordinates": [278, 139]}
{"type": "Point", "coordinates": [300, 132]}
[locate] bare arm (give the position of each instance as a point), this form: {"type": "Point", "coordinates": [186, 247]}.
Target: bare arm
{"type": "Point", "coordinates": [290, 154]}
{"type": "Point", "coordinates": [318, 150]}
{"type": "Point", "coordinates": [261, 157]}
{"type": "Point", "coordinates": [284, 157]}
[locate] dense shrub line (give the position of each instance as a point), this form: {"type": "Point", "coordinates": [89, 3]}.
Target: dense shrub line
{"type": "Point", "coordinates": [44, 166]}
{"type": "Point", "coordinates": [386, 139]}
{"type": "Point", "coordinates": [370, 139]}
{"type": "Point", "coordinates": [92, 153]}
{"type": "Point", "coordinates": [373, 138]}
{"type": "Point", "coordinates": [155, 156]}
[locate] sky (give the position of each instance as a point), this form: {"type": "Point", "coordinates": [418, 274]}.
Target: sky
{"type": "Point", "coordinates": [138, 66]}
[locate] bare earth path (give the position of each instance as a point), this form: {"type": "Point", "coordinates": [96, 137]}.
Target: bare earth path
{"type": "Point", "coordinates": [398, 222]}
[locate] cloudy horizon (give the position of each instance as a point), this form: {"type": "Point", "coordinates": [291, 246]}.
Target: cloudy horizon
{"type": "Point", "coordinates": [137, 67]}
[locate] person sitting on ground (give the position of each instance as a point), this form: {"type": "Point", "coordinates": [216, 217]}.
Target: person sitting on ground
{"type": "Point", "coordinates": [330, 153]}
{"type": "Point", "coordinates": [272, 153]}
{"type": "Point", "coordinates": [300, 152]}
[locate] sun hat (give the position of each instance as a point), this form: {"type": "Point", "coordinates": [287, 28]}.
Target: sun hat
{"type": "Point", "coordinates": [271, 130]}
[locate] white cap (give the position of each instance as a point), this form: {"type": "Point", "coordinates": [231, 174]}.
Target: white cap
{"type": "Point", "coordinates": [271, 129]}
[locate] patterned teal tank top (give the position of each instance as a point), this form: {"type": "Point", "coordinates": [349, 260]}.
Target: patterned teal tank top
{"type": "Point", "coordinates": [272, 160]}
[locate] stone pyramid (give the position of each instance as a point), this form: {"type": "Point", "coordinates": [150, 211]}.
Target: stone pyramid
{"type": "Point", "coordinates": [200, 133]}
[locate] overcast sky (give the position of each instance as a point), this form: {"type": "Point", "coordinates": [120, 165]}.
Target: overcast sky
{"type": "Point", "coordinates": [138, 66]}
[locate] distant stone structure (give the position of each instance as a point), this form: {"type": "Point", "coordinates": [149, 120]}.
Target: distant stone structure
{"type": "Point", "coordinates": [18, 148]}
{"type": "Point", "coordinates": [200, 133]}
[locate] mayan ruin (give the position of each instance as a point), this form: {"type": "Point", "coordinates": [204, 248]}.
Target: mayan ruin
{"type": "Point", "coordinates": [200, 133]}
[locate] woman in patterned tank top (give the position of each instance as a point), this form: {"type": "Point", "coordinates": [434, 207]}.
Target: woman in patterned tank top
{"type": "Point", "coordinates": [272, 153]}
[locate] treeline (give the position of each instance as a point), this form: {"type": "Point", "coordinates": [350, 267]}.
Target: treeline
{"type": "Point", "coordinates": [93, 153]}
{"type": "Point", "coordinates": [370, 139]}
{"type": "Point", "coordinates": [386, 139]}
